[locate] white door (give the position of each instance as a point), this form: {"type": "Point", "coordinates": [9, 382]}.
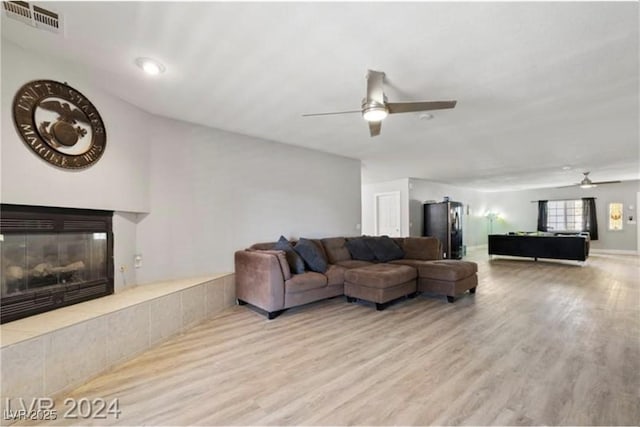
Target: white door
{"type": "Point", "coordinates": [387, 214]}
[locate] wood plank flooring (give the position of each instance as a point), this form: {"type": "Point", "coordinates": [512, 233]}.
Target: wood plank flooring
{"type": "Point", "coordinates": [552, 343]}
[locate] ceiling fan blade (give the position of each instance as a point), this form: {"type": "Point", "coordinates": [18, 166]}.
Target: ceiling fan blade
{"type": "Point", "coordinates": [410, 107]}
{"type": "Point", "coordinates": [332, 113]}
{"type": "Point", "coordinates": [590, 183]}
{"type": "Point", "coordinates": [375, 89]}
{"type": "Point", "coordinates": [374, 128]}
{"type": "Point", "coordinates": [606, 182]}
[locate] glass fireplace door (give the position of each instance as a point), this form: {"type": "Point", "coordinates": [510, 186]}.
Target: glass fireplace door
{"type": "Point", "coordinates": [35, 261]}
{"type": "Point", "coordinates": [52, 257]}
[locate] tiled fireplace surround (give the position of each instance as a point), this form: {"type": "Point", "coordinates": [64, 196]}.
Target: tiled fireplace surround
{"type": "Point", "coordinates": [47, 354]}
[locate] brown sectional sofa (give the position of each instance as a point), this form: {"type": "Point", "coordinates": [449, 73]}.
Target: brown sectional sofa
{"type": "Point", "coordinates": [264, 278]}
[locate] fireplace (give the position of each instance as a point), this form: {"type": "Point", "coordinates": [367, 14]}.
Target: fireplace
{"type": "Point", "coordinates": [53, 257]}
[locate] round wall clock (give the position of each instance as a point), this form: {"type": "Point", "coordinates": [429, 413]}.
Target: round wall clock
{"type": "Point", "coordinates": [59, 124]}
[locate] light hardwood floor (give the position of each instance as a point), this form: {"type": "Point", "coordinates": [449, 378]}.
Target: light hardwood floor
{"type": "Point", "coordinates": [542, 342]}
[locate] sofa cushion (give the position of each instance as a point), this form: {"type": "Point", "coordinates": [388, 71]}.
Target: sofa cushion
{"type": "Point", "coordinates": [336, 249]}
{"type": "Point", "coordinates": [446, 270]}
{"type": "Point", "coordinates": [423, 248]}
{"type": "Point", "coordinates": [312, 255]}
{"type": "Point", "coordinates": [384, 248]}
{"type": "Point", "coordinates": [305, 282]}
{"type": "Point", "coordinates": [415, 263]}
{"type": "Point", "coordinates": [359, 249]}
{"type": "Point", "coordinates": [335, 275]}
{"type": "Point", "coordinates": [380, 275]}
{"type": "Point", "coordinates": [399, 241]}
{"type": "Point", "coordinates": [265, 246]}
{"type": "Point", "coordinates": [282, 260]}
{"type": "Point", "coordinates": [296, 264]}
{"type": "Point", "coordinates": [353, 263]}
{"type": "Point", "coordinates": [320, 246]}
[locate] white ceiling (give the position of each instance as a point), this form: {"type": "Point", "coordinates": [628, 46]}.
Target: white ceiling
{"type": "Point", "coordinates": [539, 85]}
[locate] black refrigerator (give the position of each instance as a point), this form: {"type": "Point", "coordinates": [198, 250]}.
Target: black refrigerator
{"type": "Point", "coordinates": [444, 221]}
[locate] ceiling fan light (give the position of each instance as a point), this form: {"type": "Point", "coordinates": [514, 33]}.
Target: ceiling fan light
{"type": "Point", "coordinates": [586, 182]}
{"type": "Point", "coordinates": [375, 113]}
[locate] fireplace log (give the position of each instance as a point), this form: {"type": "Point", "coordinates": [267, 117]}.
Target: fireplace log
{"type": "Point", "coordinates": [74, 266]}
{"type": "Point", "coordinates": [15, 273]}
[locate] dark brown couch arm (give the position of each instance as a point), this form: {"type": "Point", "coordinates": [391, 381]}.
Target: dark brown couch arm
{"type": "Point", "coordinates": [259, 279]}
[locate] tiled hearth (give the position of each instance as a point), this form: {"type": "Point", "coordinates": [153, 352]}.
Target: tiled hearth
{"type": "Point", "coordinates": [49, 353]}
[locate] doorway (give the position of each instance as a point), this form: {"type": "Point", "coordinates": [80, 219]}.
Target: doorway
{"type": "Point", "coordinates": [387, 214]}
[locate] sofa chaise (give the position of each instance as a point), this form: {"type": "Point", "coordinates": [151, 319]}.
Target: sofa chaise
{"type": "Point", "coordinates": [264, 276]}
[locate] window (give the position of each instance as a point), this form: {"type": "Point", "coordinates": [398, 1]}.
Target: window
{"type": "Point", "coordinates": [568, 216]}
{"type": "Point", "coordinates": [565, 215]}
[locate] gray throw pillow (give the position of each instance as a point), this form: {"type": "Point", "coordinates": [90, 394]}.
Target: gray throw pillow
{"type": "Point", "coordinates": [384, 248]}
{"type": "Point", "coordinates": [296, 264]}
{"type": "Point", "coordinates": [359, 249]}
{"type": "Point", "coordinates": [312, 255]}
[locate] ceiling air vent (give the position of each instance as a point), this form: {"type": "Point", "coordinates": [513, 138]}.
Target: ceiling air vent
{"type": "Point", "coordinates": [33, 15]}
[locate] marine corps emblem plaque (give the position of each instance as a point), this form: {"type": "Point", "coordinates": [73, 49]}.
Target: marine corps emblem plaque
{"type": "Point", "coordinates": [59, 124]}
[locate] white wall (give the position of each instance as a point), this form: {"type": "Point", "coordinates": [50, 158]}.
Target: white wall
{"type": "Point", "coordinates": [414, 192]}
{"type": "Point", "coordinates": [124, 249]}
{"type": "Point", "coordinates": [186, 197]}
{"type": "Point", "coordinates": [119, 181]}
{"type": "Point", "coordinates": [369, 192]}
{"type": "Point", "coordinates": [519, 214]}
{"type": "Point", "coordinates": [213, 192]}
{"type": "Point", "coordinates": [474, 224]}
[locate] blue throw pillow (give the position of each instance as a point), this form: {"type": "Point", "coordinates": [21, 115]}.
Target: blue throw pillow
{"type": "Point", "coordinates": [312, 255]}
{"type": "Point", "coordinates": [384, 248]}
{"type": "Point", "coordinates": [359, 249]}
{"type": "Point", "coordinates": [296, 264]}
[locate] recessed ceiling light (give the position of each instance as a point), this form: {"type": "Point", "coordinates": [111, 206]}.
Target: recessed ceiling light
{"type": "Point", "coordinates": [425, 116]}
{"type": "Point", "coordinates": [150, 66]}
{"type": "Point", "coordinates": [566, 168]}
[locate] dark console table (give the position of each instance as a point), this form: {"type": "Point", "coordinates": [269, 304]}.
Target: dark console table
{"type": "Point", "coordinates": [575, 247]}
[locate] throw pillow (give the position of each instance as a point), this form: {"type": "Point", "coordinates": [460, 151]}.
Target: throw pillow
{"type": "Point", "coordinates": [422, 248]}
{"type": "Point", "coordinates": [296, 264]}
{"type": "Point", "coordinates": [384, 248]}
{"type": "Point", "coordinates": [359, 249]}
{"type": "Point", "coordinates": [311, 254]}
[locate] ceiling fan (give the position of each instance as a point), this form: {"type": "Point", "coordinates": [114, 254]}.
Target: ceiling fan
{"type": "Point", "coordinates": [375, 106]}
{"type": "Point", "coordinates": [587, 183]}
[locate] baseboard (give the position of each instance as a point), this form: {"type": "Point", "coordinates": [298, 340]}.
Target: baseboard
{"type": "Point", "coordinates": [613, 252]}
{"type": "Point", "coordinates": [477, 247]}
